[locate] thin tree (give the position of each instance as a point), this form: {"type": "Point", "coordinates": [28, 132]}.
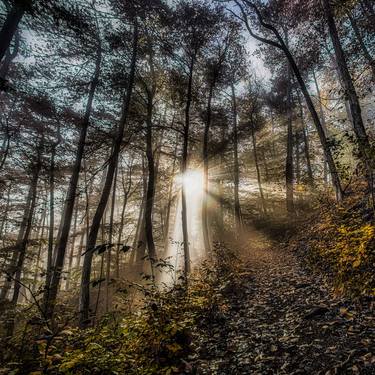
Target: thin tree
{"type": "Point", "coordinates": [84, 302]}
{"type": "Point", "coordinates": [280, 44]}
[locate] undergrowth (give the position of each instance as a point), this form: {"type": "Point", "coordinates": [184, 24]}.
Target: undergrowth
{"type": "Point", "coordinates": [339, 240]}
{"type": "Point", "coordinates": [154, 339]}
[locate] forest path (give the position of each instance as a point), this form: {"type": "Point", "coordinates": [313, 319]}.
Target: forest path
{"type": "Point", "coordinates": [281, 319]}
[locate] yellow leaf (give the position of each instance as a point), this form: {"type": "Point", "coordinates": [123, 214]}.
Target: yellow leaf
{"type": "Point", "coordinates": [174, 347]}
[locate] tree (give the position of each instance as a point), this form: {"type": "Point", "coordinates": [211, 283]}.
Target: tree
{"type": "Point", "coordinates": [112, 165]}
{"type": "Point", "coordinates": [280, 44]}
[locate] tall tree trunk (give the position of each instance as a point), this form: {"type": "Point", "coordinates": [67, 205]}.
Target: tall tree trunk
{"type": "Point", "coordinates": [9, 57]}
{"type": "Point", "coordinates": [122, 220]}
{"type": "Point", "coordinates": [84, 303]}
{"type": "Point", "coordinates": [170, 191]}
{"type": "Point", "coordinates": [22, 246]}
{"type": "Point", "coordinates": [72, 246]}
{"type": "Point", "coordinates": [14, 268]}
{"type": "Point", "coordinates": [237, 207]}
{"type": "Point", "coordinates": [289, 167]}
{"type": "Point", "coordinates": [150, 192]}
{"type": "Point", "coordinates": [40, 247]}
{"type": "Point", "coordinates": [10, 26]}
{"type": "Point", "coordinates": [221, 221]}
{"type": "Point", "coordinates": [140, 238]}
{"type": "Point", "coordinates": [314, 115]}
{"type": "Point", "coordinates": [256, 160]}
{"type": "Point", "coordinates": [350, 92]}
{"type": "Point", "coordinates": [306, 148]}
{"type": "Point", "coordinates": [51, 226]}
{"type": "Point", "coordinates": [184, 166]}
{"type": "Point", "coordinates": [323, 120]}
{"type": "Point", "coordinates": [110, 242]}
{"type": "Point", "coordinates": [206, 235]}
{"type": "Point", "coordinates": [297, 155]}
{"type": "Point", "coordinates": [71, 194]}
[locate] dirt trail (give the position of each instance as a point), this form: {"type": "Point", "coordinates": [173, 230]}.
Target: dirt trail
{"type": "Point", "coordinates": [284, 320]}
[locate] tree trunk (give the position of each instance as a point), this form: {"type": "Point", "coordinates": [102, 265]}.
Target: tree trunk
{"type": "Point", "coordinates": [9, 57]}
{"type": "Point", "coordinates": [22, 246]}
{"type": "Point", "coordinates": [323, 120]}
{"type": "Point", "coordinates": [289, 167]}
{"type": "Point", "coordinates": [71, 194]}
{"type": "Point", "coordinates": [350, 92]}
{"type": "Point", "coordinates": [221, 220]}
{"type": "Point", "coordinates": [306, 148]}
{"type": "Point", "coordinates": [16, 262]}
{"type": "Point", "coordinates": [122, 220]}
{"type": "Point", "coordinates": [140, 238]}
{"type": "Point", "coordinates": [237, 207]}
{"type": "Point", "coordinates": [72, 247]}
{"type": "Point", "coordinates": [40, 247]}
{"type": "Point", "coordinates": [10, 26]}
{"type": "Point", "coordinates": [110, 242]}
{"type": "Point", "coordinates": [184, 166]}
{"type": "Point", "coordinates": [84, 303]}
{"type": "Point", "coordinates": [206, 235]}
{"type": "Point", "coordinates": [51, 227]}
{"type": "Point", "coordinates": [297, 155]}
{"type": "Point", "coordinates": [256, 160]}
{"type": "Point", "coordinates": [150, 192]}
{"type": "Point", "coordinates": [169, 202]}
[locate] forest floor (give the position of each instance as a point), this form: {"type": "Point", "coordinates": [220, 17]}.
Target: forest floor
{"type": "Point", "coordinates": [281, 318]}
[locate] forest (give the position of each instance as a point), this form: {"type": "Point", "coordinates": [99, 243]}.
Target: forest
{"type": "Point", "coordinates": [187, 187]}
